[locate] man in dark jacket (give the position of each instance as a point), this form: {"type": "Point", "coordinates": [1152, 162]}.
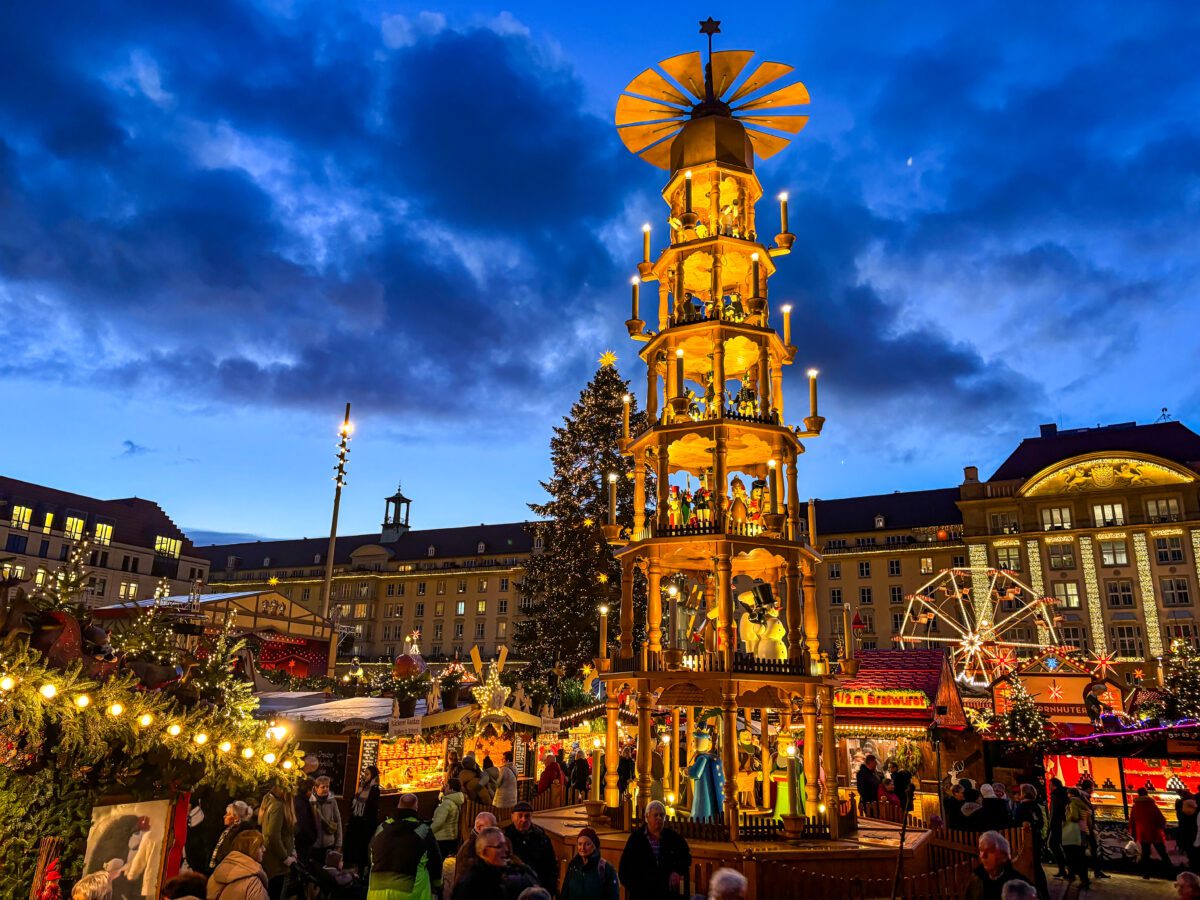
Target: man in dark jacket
{"type": "Point", "coordinates": [493, 875]}
{"type": "Point", "coordinates": [306, 819]}
{"type": "Point", "coordinates": [995, 868]}
{"type": "Point", "coordinates": [656, 860]}
{"type": "Point", "coordinates": [532, 846]}
{"type": "Point", "coordinates": [1057, 803]}
{"type": "Point", "coordinates": [404, 853]}
{"type": "Point", "coordinates": [1086, 787]}
{"type": "Point", "coordinates": [901, 780]}
{"type": "Point", "coordinates": [1029, 811]}
{"type": "Point", "coordinates": [867, 781]}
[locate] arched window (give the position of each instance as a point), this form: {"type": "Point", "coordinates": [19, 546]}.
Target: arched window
{"type": "Point", "coordinates": [538, 543]}
{"type": "Point", "coordinates": [432, 551]}
{"type": "Point", "coordinates": [481, 547]}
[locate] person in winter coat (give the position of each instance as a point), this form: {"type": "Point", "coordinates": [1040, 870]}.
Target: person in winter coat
{"type": "Point", "coordinates": [493, 875]}
{"type": "Point", "coordinates": [466, 853]}
{"type": "Point", "coordinates": [656, 859]}
{"type": "Point", "coordinates": [506, 783]}
{"type": "Point", "coordinates": [953, 803]}
{"type": "Point", "coordinates": [405, 861]}
{"type": "Point", "coordinates": [1076, 821]}
{"type": "Point", "coordinates": [278, 831]}
{"type": "Point", "coordinates": [551, 774]}
{"type": "Point", "coordinates": [995, 868]}
{"type": "Point", "coordinates": [1091, 837]}
{"type": "Point", "coordinates": [306, 819]}
{"type": "Point", "coordinates": [578, 775]}
{"type": "Point", "coordinates": [453, 765]}
{"type": "Point", "coordinates": [995, 809]}
{"type": "Point", "coordinates": [1149, 828]}
{"type": "Point", "coordinates": [1185, 834]}
{"type": "Point", "coordinates": [589, 876]}
{"type": "Point", "coordinates": [1029, 811]}
{"type": "Point", "coordinates": [887, 792]}
{"type": "Point", "coordinates": [532, 846]}
{"type": "Point", "coordinates": [625, 773]}
{"type": "Point", "coordinates": [1057, 804]}
{"type": "Point", "coordinates": [472, 781]}
{"type": "Point", "coordinates": [329, 820]}
{"type": "Point", "coordinates": [364, 819]}
{"type": "Point", "coordinates": [240, 875]}
{"type": "Point", "coordinates": [445, 817]}
{"type": "Point", "coordinates": [973, 816]}
{"type": "Point", "coordinates": [239, 817]}
{"type": "Point", "coordinates": [866, 781]}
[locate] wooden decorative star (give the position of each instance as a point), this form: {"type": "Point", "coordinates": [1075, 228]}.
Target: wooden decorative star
{"type": "Point", "coordinates": [608, 358]}
{"type": "Point", "coordinates": [1103, 663]}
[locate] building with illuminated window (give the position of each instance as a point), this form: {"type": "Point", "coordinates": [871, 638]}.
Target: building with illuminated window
{"type": "Point", "coordinates": [1104, 520]}
{"type": "Point", "coordinates": [134, 544]}
{"type": "Point", "coordinates": [456, 586]}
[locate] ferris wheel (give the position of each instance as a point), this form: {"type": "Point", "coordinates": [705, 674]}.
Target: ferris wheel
{"type": "Point", "coordinates": [988, 619]}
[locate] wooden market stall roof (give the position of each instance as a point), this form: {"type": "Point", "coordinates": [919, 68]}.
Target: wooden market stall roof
{"type": "Point", "coordinates": [448, 717]}
{"type": "Point", "coordinates": [914, 687]}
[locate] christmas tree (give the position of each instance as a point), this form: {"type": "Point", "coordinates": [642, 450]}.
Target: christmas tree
{"type": "Point", "coordinates": [1181, 686]}
{"type": "Point", "coordinates": [219, 680]}
{"type": "Point", "coordinates": [1023, 721]}
{"type": "Point", "coordinates": [65, 589]}
{"type": "Point", "coordinates": [150, 635]}
{"type": "Point", "coordinates": [575, 573]}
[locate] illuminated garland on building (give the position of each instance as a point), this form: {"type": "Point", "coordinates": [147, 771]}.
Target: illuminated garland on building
{"type": "Point", "coordinates": [1034, 552]}
{"type": "Point", "coordinates": [980, 588]}
{"type": "Point", "coordinates": [1196, 550]}
{"type": "Point", "coordinates": [1149, 600]}
{"type": "Point", "coordinates": [1091, 595]}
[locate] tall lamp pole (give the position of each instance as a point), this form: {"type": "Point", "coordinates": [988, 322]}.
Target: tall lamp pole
{"type": "Point", "coordinates": [339, 480]}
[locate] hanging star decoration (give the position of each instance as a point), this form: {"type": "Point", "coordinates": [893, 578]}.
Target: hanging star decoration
{"type": "Point", "coordinates": [589, 522]}
{"type": "Point", "coordinates": [1138, 674]}
{"type": "Point", "coordinates": [1052, 663]}
{"type": "Point", "coordinates": [1103, 663]}
{"type": "Point", "coordinates": [1004, 659]}
{"type": "Point", "coordinates": [1056, 693]}
{"type": "Point", "coordinates": [602, 578]}
{"type": "Point", "coordinates": [272, 581]}
{"type": "Point", "coordinates": [980, 721]}
{"type": "Point", "coordinates": [608, 358]}
{"type": "Point", "coordinates": [491, 696]}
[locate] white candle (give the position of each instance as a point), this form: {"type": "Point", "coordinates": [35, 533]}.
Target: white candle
{"type": "Point", "coordinates": [635, 282]}
{"type": "Point", "coordinates": [687, 191]}
{"type": "Point", "coordinates": [604, 632]}
{"type": "Point", "coordinates": [646, 242]}
{"type": "Point", "coordinates": [793, 798]}
{"type": "Point", "coordinates": [773, 482]}
{"type": "Point", "coordinates": [754, 270]}
{"type": "Point", "coordinates": [625, 400]}
{"type": "Point", "coordinates": [812, 392]}
{"type": "Point", "coordinates": [679, 372]}
{"type": "Point", "coordinates": [783, 217]}
{"type": "Point", "coordinates": [787, 323]}
{"type": "Point", "coordinates": [612, 497]}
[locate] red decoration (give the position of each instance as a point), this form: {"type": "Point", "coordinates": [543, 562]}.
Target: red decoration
{"type": "Point", "coordinates": [407, 665]}
{"type": "Point", "coordinates": [943, 534]}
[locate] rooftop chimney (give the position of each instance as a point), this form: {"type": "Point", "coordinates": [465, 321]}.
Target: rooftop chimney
{"type": "Point", "coordinates": [970, 474]}
{"type": "Point", "coordinates": [1049, 430]}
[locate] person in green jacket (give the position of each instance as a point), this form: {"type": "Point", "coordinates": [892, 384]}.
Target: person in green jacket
{"type": "Point", "coordinates": [277, 815]}
{"type": "Point", "coordinates": [405, 861]}
{"type": "Point", "coordinates": [445, 817]}
{"type": "Point", "coordinates": [589, 876]}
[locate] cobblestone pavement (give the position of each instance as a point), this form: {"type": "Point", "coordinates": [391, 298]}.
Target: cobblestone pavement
{"type": "Point", "coordinates": [1127, 887]}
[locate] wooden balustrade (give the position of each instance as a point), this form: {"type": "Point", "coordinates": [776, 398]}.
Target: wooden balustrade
{"type": "Point", "coordinates": [781, 879]}
{"type": "Point", "coordinates": [555, 798]}
{"type": "Point", "coordinates": [891, 812]}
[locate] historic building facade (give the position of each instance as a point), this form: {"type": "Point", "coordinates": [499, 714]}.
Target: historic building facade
{"type": "Point", "coordinates": [1105, 520]}
{"type": "Point", "coordinates": [133, 543]}
{"type": "Point", "coordinates": [456, 586]}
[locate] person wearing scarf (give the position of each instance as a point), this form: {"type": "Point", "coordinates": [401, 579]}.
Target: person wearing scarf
{"type": "Point", "coordinates": [238, 816]}
{"type": "Point", "coordinates": [364, 819]}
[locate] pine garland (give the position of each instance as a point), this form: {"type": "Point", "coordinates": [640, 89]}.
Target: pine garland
{"type": "Point", "coordinates": [566, 583]}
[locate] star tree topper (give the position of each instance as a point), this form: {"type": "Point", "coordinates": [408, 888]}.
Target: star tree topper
{"type": "Point", "coordinates": [608, 358]}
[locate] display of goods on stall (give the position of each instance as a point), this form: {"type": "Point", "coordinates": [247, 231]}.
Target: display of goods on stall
{"type": "Point", "coordinates": [408, 764]}
{"type": "Point", "coordinates": [490, 744]}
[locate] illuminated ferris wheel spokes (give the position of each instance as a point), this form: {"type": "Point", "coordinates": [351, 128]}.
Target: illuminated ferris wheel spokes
{"type": "Point", "coordinates": [987, 611]}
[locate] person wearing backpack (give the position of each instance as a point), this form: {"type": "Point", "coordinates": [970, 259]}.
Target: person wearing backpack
{"type": "Point", "coordinates": [589, 876]}
{"type": "Point", "coordinates": [406, 863]}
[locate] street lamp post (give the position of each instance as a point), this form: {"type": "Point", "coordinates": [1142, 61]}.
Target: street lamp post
{"type": "Point", "coordinates": [339, 481]}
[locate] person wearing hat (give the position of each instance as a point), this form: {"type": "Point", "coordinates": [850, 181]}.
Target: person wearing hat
{"type": "Point", "coordinates": [532, 846]}
{"type": "Point", "coordinates": [708, 781]}
{"type": "Point", "coordinates": [589, 876]}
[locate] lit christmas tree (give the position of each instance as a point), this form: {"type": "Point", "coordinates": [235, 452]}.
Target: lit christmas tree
{"type": "Point", "coordinates": [1023, 721]}
{"type": "Point", "coordinates": [575, 573]}
{"type": "Point", "coordinates": [65, 589]}
{"type": "Point", "coordinates": [150, 635]}
{"type": "Point", "coordinates": [1181, 686]}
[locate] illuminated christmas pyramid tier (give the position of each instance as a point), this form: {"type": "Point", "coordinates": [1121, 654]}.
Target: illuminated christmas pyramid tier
{"type": "Point", "coordinates": [723, 537]}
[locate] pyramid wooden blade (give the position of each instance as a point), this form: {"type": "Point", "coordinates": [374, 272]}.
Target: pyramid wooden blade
{"type": "Point", "coordinates": [766, 145]}
{"type": "Point", "coordinates": [635, 109]}
{"type": "Point", "coordinates": [651, 84]}
{"type": "Point", "coordinates": [659, 155]}
{"type": "Point", "coordinates": [727, 65]}
{"type": "Point", "coordinates": [687, 69]}
{"type": "Point", "coordinates": [760, 78]}
{"type": "Point", "coordinates": [791, 124]}
{"type": "Point", "coordinates": [638, 137]}
{"type": "Point", "coordinates": [792, 95]}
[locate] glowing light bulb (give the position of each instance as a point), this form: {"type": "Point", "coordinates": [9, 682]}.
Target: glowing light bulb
{"type": "Point", "coordinates": [248, 753]}
{"type": "Point", "coordinates": [173, 730]}
{"type": "Point", "coordinates": [269, 758]}
{"type": "Point", "coordinates": [82, 700]}
{"type": "Point", "coordinates": [201, 738]}
{"type": "Point", "coordinates": [116, 709]}
{"type": "Point", "coordinates": [145, 719]}
{"type": "Point", "coordinates": [7, 683]}
{"type": "Point", "coordinates": [224, 746]}
{"type": "Point", "coordinates": [48, 691]}
{"type": "Point", "coordinates": [813, 373]}
{"type": "Point", "coordinates": [287, 763]}
{"type": "Point", "coordinates": [821, 808]}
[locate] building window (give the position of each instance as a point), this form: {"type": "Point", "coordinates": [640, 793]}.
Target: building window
{"type": "Point", "coordinates": [538, 544]}
{"type": "Point", "coordinates": [305, 593]}
{"type": "Point", "coordinates": [460, 608]}
{"type": "Point", "coordinates": [458, 631]}
{"type": "Point", "coordinates": [868, 620]}
{"type": "Point", "coordinates": [897, 622]}
{"type": "Point", "coordinates": [959, 562]}
{"type": "Point", "coordinates": [893, 568]}
{"type": "Point", "coordinates": [864, 569]}
{"type": "Point", "coordinates": [73, 528]}
{"type": "Point", "coordinates": [14, 570]}
{"type": "Point", "coordinates": [502, 607]}
{"type": "Point", "coordinates": [1175, 591]}
{"type": "Point", "coordinates": [419, 612]}
{"type": "Point", "coordinates": [1008, 558]}
{"type": "Point", "coordinates": [482, 586]}
{"type": "Point", "coordinates": [1126, 640]}
{"type": "Point", "coordinates": [420, 589]}
{"type": "Point", "coordinates": [400, 589]}
{"type": "Point", "coordinates": [479, 626]}
{"type": "Point", "coordinates": [480, 607]}
{"type": "Point", "coordinates": [1108, 514]}
{"type": "Point", "coordinates": [439, 608]}
{"type": "Point", "coordinates": [21, 517]}
{"type": "Point", "coordinates": [97, 586]}
{"type": "Point", "coordinates": [1074, 636]}
{"type": "Point", "coordinates": [1067, 594]}
{"type": "Point", "coordinates": [926, 565]}
{"type": "Point", "coordinates": [437, 631]}
{"type": "Point", "coordinates": [1169, 549]}
{"type": "Point", "coordinates": [127, 590]}
{"type": "Point", "coordinates": [503, 584]}
{"type": "Point", "coordinates": [1004, 523]}
{"type": "Point", "coordinates": [864, 595]}
{"type": "Point", "coordinates": [894, 539]}
{"type": "Point", "coordinates": [1056, 518]}
{"type": "Point", "coordinates": [1163, 510]}
{"type": "Point", "coordinates": [103, 534]}
{"type": "Point", "coordinates": [48, 523]}
{"type": "Point", "coordinates": [896, 594]}
{"type": "Point", "coordinates": [1120, 593]}
{"type": "Point", "coordinates": [835, 596]}
{"type": "Point", "coordinates": [481, 547]}
{"type": "Point", "coordinates": [462, 585]}
{"type": "Point", "coordinates": [166, 546]}
{"type": "Point", "coordinates": [1113, 553]}
{"type": "Point", "coordinates": [501, 630]}
{"type": "Point", "coordinates": [835, 570]}
{"type": "Point", "coordinates": [391, 590]}
{"type": "Point", "coordinates": [16, 543]}
{"type": "Point", "coordinates": [1062, 556]}
{"type": "Point", "coordinates": [864, 542]}
{"type": "Point", "coordinates": [431, 550]}
{"type": "Point", "coordinates": [441, 587]}
{"type": "Point", "coordinates": [1184, 631]}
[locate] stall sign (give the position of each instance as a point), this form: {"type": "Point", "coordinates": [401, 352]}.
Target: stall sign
{"type": "Point", "coordinates": [551, 725]}
{"type": "Point", "coordinates": [898, 698]}
{"type": "Point", "coordinates": [406, 726]}
{"type": "Point", "coordinates": [331, 759]}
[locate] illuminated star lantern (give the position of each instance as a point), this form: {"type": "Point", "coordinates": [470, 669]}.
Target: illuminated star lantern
{"type": "Point", "coordinates": [1004, 659]}
{"type": "Point", "coordinates": [272, 581]}
{"type": "Point", "coordinates": [490, 694]}
{"type": "Point", "coordinates": [1103, 663]}
{"type": "Point", "coordinates": [1052, 663]}
{"type": "Point", "coordinates": [608, 358]}
{"type": "Point", "coordinates": [588, 523]}
{"type": "Point", "coordinates": [602, 578]}
{"type": "Point", "coordinates": [1056, 693]}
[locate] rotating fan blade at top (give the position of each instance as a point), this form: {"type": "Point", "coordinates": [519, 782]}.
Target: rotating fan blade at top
{"type": "Point", "coordinates": [726, 66]}
{"type": "Point", "coordinates": [687, 69]}
{"type": "Point", "coordinates": [631, 110]}
{"type": "Point", "coordinates": [651, 84]}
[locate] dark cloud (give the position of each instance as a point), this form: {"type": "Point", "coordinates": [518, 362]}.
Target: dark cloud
{"type": "Point", "coordinates": [130, 449]}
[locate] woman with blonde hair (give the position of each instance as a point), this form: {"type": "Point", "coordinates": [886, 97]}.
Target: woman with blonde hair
{"type": "Point", "coordinates": [92, 887]}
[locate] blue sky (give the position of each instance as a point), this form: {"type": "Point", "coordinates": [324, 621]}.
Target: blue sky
{"type": "Point", "coordinates": [219, 222]}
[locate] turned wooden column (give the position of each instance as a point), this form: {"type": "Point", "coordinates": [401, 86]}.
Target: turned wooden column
{"type": "Point", "coordinates": [651, 389]}
{"type": "Point", "coordinates": [812, 771]}
{"type": "Point", "coordinates": [612, 794]}
{"type": "Point", "coordinates": [793, 497]}
{"type": "Point", "coordinates": [664, 309]}
{"type": "Point", "coordinates": [764, 378]}
{"type": "Point", "coordinates": [792, 606]}
{"type": "Point", "coordinates": [644, 752]}
{"type": "Point", "coordinates": [639, 495]}
{"type": "Point", "coordinates": [719, 501]}
{"type": "Point", "coordinates": [765, 758]}
{"type": "Point", "coordinates": [829, 750]}
{"type": "Point", "coordinates": [777, 388]}
{"type": "Point", "coordinates": [729, 760]}
{"type": "Point", "coordinates": [664, 485]}
{"type": "Point", "coordinates": [725, 624]}
{"type": "Point", "coordinates": [627, 573]}
{"type": "Point", "coordinates": [654, 605]}
{"type": "Point", "coordinates": [674, 754]}
{"type": "Point", "coordinates": [719, 375]}
{"type": "Point", "coordinates": [812, 623]}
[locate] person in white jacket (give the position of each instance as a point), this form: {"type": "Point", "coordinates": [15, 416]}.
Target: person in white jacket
{"type": "Point", "coordinates": [506, 789]}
